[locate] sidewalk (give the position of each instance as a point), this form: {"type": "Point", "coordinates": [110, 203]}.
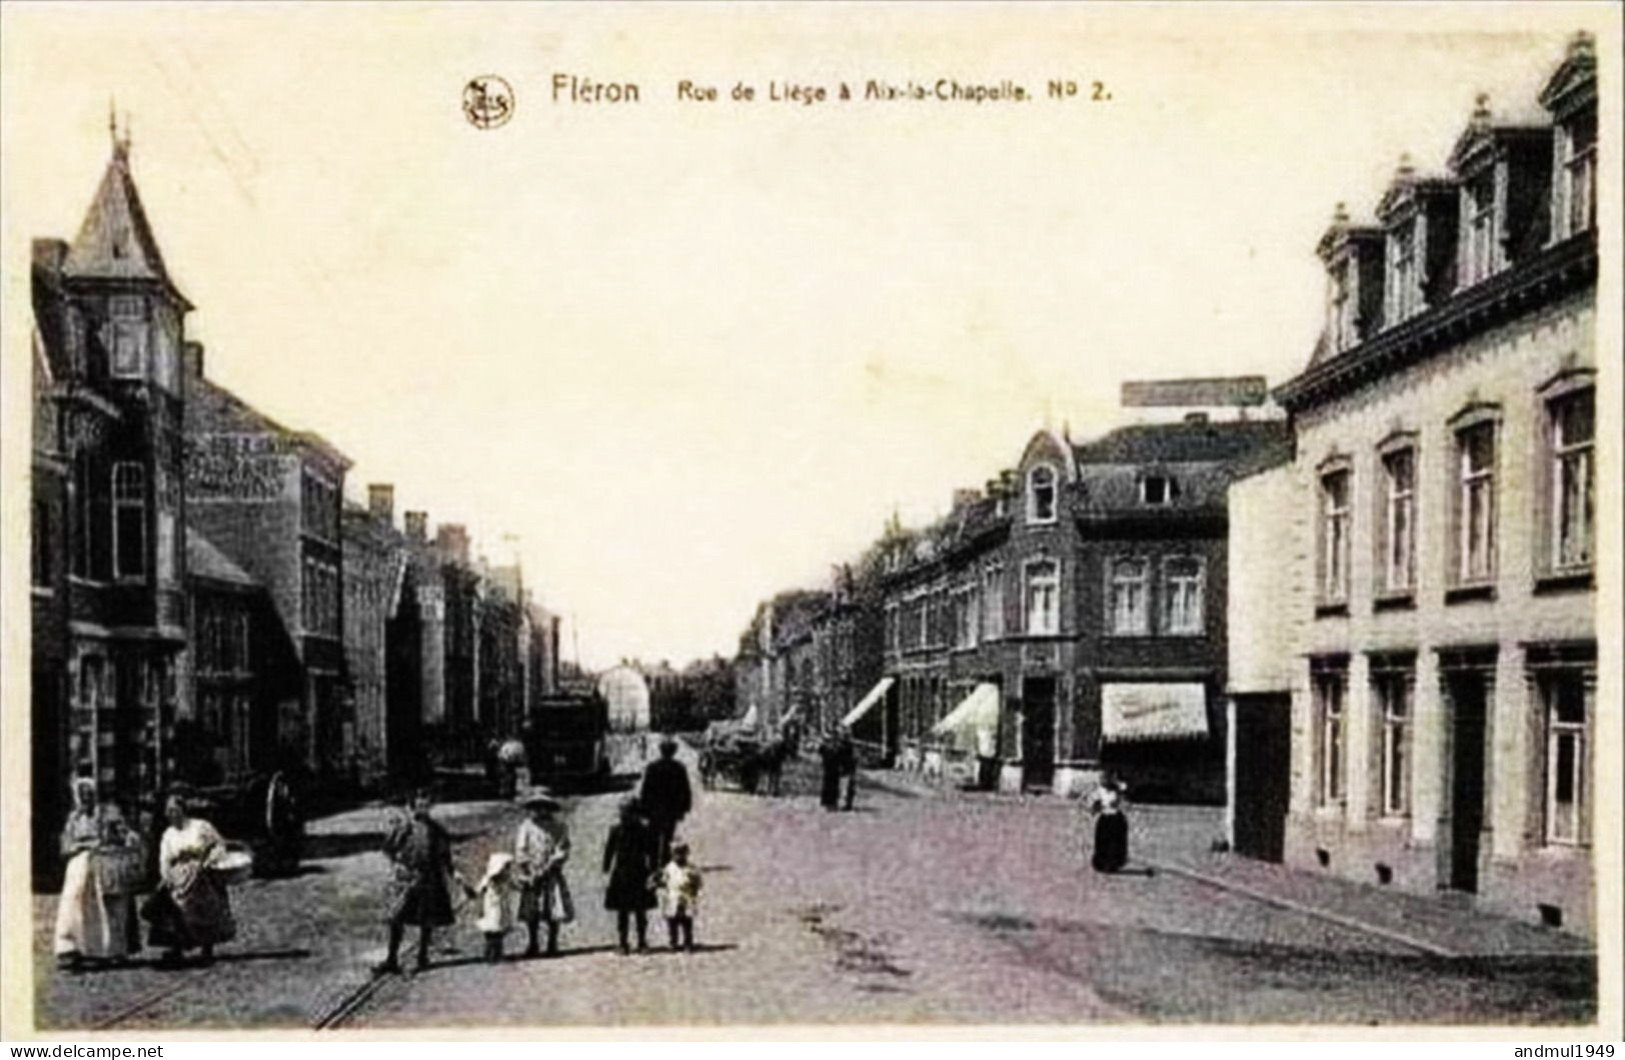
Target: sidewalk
{"type": "Point", "coordinates": [1179, 840]}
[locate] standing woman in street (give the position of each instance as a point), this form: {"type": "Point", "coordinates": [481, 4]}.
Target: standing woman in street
{"type": "Point", "coordinates": [1111, 826]}
{"type": "Point", "coordinates": [95, 915]}
{"type": "Point", "coordinates": [192, 909]}
{"type": "Point", "coordinates": [830, 759]}
{"type": "Point", "coordinates": [284, 828]}
{"type": "Point", "coordinates": [630, 858]}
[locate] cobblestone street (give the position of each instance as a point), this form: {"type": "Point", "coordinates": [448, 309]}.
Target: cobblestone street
{"type": "Point", "coordinates": [915, 908]}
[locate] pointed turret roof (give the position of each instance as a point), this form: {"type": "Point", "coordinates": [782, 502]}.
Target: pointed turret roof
{"type": "Point", "coordinates": [115, 241]}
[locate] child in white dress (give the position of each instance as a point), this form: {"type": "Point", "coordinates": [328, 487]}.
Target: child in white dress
{"type": "Point", "coordinates": [680, 896]}
{"type": "Point", "coordinates": [498, 894]}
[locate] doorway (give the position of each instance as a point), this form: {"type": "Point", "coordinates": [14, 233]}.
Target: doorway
{"type": "Point", "coordinates": [1469, 697]}
{"type": "Point", "coordinates": [1263, 774]}
{"type": "Point", "coordinates": [1038, 732]}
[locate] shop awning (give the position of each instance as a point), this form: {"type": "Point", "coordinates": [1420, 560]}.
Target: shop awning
{"type": "Point", "coordinates": [867, 703]}
{"type": "Point", "coordinates": [1153, 712]}
{"type": "Point", "coordinates": [974, 724]}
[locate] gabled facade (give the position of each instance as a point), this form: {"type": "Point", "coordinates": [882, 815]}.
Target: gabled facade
{"type": "Point", "coordinates": [1442, 508]}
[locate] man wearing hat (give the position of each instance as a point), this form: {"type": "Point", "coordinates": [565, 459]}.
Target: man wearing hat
{"type": "Point", "coordinates": [665, 795]}
{"type": "Point", "coordinates": [541, 847]}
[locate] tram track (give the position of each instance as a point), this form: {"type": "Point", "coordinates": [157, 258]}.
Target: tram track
{"type": "Point", "coordinates": [149, 1000]}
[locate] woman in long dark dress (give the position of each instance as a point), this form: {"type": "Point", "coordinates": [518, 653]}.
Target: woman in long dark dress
{"type": "Point", "coordinates": [831, 759]}
{"type": "Point", "coordinates": [1111, 827]}
{"type": "Point", "coordinates": [630, 860]}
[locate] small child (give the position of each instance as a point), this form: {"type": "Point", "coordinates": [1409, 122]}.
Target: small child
{"type": "Point", "coordinates": [679, 896]}
{"type": "Point", "coordinates": [496, 893]}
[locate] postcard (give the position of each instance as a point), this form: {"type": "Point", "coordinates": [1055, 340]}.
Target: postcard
{"type": "Point", "coordinates": [1089, 520]}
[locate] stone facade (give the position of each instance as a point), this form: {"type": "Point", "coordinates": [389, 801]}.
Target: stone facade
{"type": "Point", "coordinates": [1443, 660]}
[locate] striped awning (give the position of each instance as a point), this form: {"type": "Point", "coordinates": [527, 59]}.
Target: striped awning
{"type": "Point", "coordinates": [974, 724]}
{"type": "Point", "coordinates": [867, 703]}
{"type": "Point", "coordinates": [1153, 712]}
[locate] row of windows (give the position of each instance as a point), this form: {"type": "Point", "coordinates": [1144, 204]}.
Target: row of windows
{"type": "Point", "coordinates": [1567, 505]}
{"type": "Point", "coordinates": [1566, 699]}
{"type": "Point", "coordinates": [1155, 491]}
{"type": "Point", "coordinates": [1481, 234]}
{"type": "Point", "coordinates": [969, 614]}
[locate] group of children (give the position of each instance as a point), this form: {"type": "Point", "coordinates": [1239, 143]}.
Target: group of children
{"type": "Point", "coordinates": [528, 885]}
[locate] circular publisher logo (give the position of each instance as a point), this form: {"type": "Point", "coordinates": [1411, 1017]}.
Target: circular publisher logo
{"type": "Point", "coordinates": [488, 101]}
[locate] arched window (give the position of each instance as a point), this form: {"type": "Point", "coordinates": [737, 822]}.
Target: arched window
{"type": "Point", "coordinates": [1041, 494]}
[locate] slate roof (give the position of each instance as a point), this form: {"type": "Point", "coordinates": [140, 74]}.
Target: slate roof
{"type": "Point", "coordinates": [116, 241]}
{"type": "Point", "coordinates": [1181, 443]}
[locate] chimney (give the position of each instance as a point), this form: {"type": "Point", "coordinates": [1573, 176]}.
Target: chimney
{"type": "Point", "coordinates": [381, 502]}
{"type": "Point", "coordinates": [417, 526]}
{"type": "Point", "coordinates": [49, 254]}
{"type": "Point", "coordinates": [452, 540]}
{"type": "Point", "coordinates": [192, 357]}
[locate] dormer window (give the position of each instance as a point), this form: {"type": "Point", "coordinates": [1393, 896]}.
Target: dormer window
{"type": "Point", "coordinates": [1480, 225]}
{"type": "Point", "coordinates": [1158, 490]}
{"type": "Point", "coordinates": [1576, 175]}
{"type": "Point", "coordinates": [1041, 494]}
{"type": "Point", "coordinates": [1344, 306]}
{"type": "Point", "coordinates": [1404, 287]}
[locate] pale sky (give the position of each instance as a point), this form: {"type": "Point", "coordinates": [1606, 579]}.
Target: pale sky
{"type": "Point", "coordinates": [692, 354]}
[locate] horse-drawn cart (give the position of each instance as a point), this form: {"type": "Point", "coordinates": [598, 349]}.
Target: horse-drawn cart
{"type": "Point", "coordinates": [741, 755]}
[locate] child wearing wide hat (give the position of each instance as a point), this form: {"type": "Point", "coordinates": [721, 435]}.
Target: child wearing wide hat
{"type": "Point", "coordinates": [541, 848]}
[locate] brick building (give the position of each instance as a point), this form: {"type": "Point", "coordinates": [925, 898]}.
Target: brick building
{"type": "Point", "coordinates": [1071, 617]}
{"type": "Point", "coordinates": [269, 498]}
{"type": "Point", "coordinates": [1441, 659]}
{"type": "Point", "coordinates": [108, 513]}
